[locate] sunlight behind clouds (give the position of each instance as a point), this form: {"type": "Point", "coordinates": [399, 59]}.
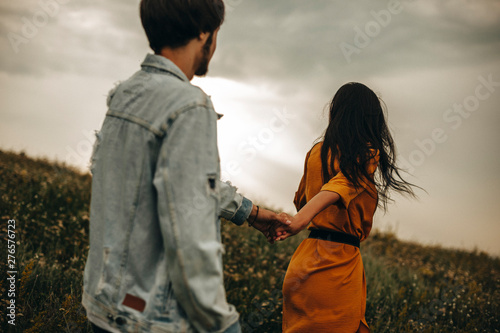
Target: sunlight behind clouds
{"type": "Point", "coordinates": [251, 123]}
{"type": "Point", "coordinates": [278, 64]}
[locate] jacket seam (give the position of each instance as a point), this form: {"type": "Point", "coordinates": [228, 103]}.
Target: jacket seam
{"type": "Point", "coordinates": [145, 124]}
{"type": "Point", "coordinates": [90, 304]}
{"type": "Point", "coordinates": [136, 120]}
{"type": "Point", "coordinates": [171, 119]}
{"type": "Point", "coordinates": [125, 257]}
{"type": "Point", "coordinates": [164, 70]}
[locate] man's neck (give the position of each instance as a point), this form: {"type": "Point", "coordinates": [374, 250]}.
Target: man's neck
{"type": "Point", "coordinates": [183, 57]}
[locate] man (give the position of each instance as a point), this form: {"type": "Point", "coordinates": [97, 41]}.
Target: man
{"type": "Point", "coordinates": [155, 259]}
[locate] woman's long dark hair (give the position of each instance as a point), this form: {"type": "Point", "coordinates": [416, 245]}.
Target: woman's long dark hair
{"type": "Point", "coordinates": [356, 129]}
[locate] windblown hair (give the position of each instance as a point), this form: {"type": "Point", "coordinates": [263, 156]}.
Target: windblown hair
{"type": "Point", "coordinates": [356, 131]}
{"type": "Point", "coordinates": [173, 23]}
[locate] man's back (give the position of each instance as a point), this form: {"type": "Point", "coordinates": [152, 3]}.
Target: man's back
{"type": "Point", "coordinates": [155, 254]}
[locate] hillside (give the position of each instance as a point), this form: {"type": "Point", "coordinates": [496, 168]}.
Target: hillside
{"type": "Point", "coordinates": [411, 288]}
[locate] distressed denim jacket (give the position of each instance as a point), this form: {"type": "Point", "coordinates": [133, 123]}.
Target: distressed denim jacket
{"type": "Point", "coordinates": [155, 259]}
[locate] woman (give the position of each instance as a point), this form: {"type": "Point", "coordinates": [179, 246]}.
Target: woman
{"type": "Point", "coordinates": [325, 287]}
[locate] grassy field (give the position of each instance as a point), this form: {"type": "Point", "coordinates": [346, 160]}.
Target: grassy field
{"type": "Point", "coordinates": [411, 288]}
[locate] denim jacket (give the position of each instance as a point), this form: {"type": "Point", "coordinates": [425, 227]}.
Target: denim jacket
{"type": "Point", "coordinates": [155, 259]}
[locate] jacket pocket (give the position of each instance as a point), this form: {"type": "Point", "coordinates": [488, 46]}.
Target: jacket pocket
{"type": "Point", "coordinates": [213, 187]}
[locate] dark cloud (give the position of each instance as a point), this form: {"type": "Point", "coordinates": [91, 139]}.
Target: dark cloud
{"type": "Point", "coordinates": [283, 41]}
{"type": "Point", "coordinates": [86, 37]}
{"type": "Point", "coordinates": [293, 41]}
{"type": "Point", "coordinates": [424, 60]}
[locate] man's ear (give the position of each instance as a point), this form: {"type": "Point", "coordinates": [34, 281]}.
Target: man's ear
{"type": "Point", "coordinates": [203, 37]}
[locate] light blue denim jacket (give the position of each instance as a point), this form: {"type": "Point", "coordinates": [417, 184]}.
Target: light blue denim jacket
{"type": "Point", "coordinates": [155, 259]}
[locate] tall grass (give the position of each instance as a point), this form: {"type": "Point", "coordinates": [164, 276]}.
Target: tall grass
{"type": "Point", "coordinates": [411, 288]}
{"type": "Point", "coordinates": [50, 205]}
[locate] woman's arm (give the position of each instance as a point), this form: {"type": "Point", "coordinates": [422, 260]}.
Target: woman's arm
{"type": "Point", "coordinates": [302, 219]}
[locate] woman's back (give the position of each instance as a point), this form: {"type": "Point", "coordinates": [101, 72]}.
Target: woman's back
{"type": "Point", "coordinates": [325, 286]}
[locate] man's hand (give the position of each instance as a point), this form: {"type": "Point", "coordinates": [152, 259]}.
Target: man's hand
{"type": "Point", "coordinates": [268, 221]}
{"type": "Point", "coordinates": [297, 224]}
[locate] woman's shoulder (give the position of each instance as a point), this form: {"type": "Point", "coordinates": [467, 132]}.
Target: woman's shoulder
{"type": "Point", "coordinates": [315, 151]}
{"type": "Point", "coordinates": [313, 158]}
{"type": "Point", "coordinates": [316, 148]}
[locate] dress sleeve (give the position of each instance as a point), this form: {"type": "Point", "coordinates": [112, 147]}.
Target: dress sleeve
{"type": "Point", "coordinates": [343, 187]}
{"type": "Point", "coordinates": [300, 195]}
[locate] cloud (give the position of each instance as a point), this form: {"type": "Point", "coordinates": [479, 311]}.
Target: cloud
{"type": "Point", "coordinates": [291, 41]}
{"type": "Point", "coordinates": [276, 55]}
{"type": "Point", "coordinates": [280, 41]}
{"type": "Point", "coordinates": [86, 37]}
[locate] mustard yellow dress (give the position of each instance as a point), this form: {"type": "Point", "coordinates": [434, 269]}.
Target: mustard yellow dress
{"type": "Point", "coordinates": [325, 288]}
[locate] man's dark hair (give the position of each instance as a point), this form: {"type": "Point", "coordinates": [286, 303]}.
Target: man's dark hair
{"type": "Point", "coordinates": [173, 23]}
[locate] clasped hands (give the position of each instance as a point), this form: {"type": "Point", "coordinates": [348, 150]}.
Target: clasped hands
{"type": "Point", "coordinates": [275, 227]}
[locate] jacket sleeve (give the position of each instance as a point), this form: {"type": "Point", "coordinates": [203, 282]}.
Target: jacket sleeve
{"type": "Point", "coordinates": [343, 187]}
{"type": "Point", "coordinates": [186, 180]}
{"type": "Point", "coordinates": [234, 207]}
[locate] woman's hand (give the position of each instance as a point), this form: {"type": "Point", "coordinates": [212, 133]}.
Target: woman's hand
{"type": "Point", "coordinates": [312, 208]}
{"type": "Point", "coordinates": [267, 222]}
{"type": "Point", "coordinates": [297, 224]}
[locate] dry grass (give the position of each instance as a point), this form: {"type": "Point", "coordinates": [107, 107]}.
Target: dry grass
{"type": "Point", "coordinates": [411, 288]}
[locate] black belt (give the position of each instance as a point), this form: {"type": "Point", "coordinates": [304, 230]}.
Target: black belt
{"type": "Point", "coordinates": [334, 236]}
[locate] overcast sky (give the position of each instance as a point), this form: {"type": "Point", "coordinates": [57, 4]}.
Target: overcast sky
{"type": "Point", "coordinates": [435, 64]}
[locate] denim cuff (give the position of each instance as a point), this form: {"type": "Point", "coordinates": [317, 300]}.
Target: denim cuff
{"type": "Point", "coordinates": [243, 212]}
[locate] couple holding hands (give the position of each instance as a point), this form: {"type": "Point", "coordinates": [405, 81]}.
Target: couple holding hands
{"type": "Point", "coordinates": [155, 258]}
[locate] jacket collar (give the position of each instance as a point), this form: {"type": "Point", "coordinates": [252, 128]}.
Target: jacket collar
{"type": "Point", "coordinates": [163, 65]}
